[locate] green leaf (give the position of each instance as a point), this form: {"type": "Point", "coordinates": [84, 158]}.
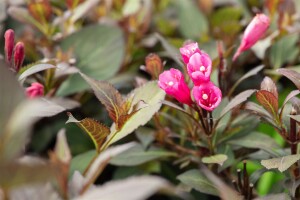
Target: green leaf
{"type": "Point", "coordinates": [137, 156]}
{"type": "Point", "coordinates": [97, 131]}
{"type": "Point", "coordinates": [292, 75]}
{"type": "Point", "coordinates": [284, 50]}
{"type": "Point", "coordinates": [81, 161]}
{"type": "Point", "coordinates": [172, 51]}
{"type": "Point", "coordinates": [153, 100]}
{"type": "Point", "coordinates": [192, 23]}
{"type": "Point", "coordinates": [108, 96]}
{"type": "Point", "coordinates": [282, 163]}
{"type": "Point", "coordinates": [268, 101]}
{"type": "Point", "coordinates": [256, 140]}
{"type": "Point", "coordinates": [99, 51]}
{"type": "Point", "coordinates": [131, 7]}
{"type": "Point", "coordinates": [145, 135]}
{"type": "Point", "coordinates": [195, 179]}
{"type": "Point", "coordinates": [215, 159]}
{"type": "Point", "coordinates": [225, 21]}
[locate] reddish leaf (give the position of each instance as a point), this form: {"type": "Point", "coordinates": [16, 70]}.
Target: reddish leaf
{"type": "Point", "coordinates": [268, 101]}
{"type": "Point", "coordinates": [97, 131]}
{"type": "Point", "coordinates": [108, 96]}
{"type": "Point", "coordinates": [269, 85]}
{"type": "Point", "coordinates": [292, 75]}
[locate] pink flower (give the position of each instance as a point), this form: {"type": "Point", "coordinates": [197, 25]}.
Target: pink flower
{"type": "Point", "coordinates": [172, 82]}
{"type": "Point", "coordinates": [19, 55]}
{"type": "Point", "coordinates": [254, 31]}
{"type": "Point", "coordinates": [199, 68]}
{"type": "Point", "coordinates": [188, 50]}
{"type": "Point", "coordinates": [207, 95]}
{"type": "Point", "coordinates": [35, 90]}
{"type": "Point", "coordinates": [9, 39]}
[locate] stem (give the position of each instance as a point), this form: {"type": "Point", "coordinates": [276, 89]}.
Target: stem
{"type": "Point", "coordinates": [210, 145]}
{"type": "Point", "coordinates": [239, 180]}
{"type": "Point", "coordinates": [246, 179]}
{"type": "Point", "coordinates": [293, 133]}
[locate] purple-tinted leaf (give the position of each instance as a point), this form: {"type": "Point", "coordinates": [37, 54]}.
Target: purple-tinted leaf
{"type": "Point", "coordinates": [34, 69]}
{"type": "Point", "coordinates": [287, 99]}
{"type": "Point", "coordinates": [134, 188]}
{"type": "Point", "coordinates": [296, 104]}
{"type": "Point", "coordinates": [269, 85]}
{"type": "Point", "coordinates": [292, 75]}
{"type": "Point", "coordinates": [108, 96]}
{"type": "Point", "coordinates": [252, 72]}
{"type": "Point", "coordinates": [238, 99]}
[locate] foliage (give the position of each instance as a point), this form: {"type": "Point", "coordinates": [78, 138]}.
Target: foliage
{"type": "Point", "coordinates": [103, 129]}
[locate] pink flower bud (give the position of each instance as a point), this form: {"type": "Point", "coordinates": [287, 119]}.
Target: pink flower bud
{"type": "Point", "coordinates": [19, 55]}
{"type": "Point", "coordinates": [172, 82]}
{"type": "Point", "coordinates": [199, 68]}
{"type": "Point", "coordinates": [188, 50]}
{"type": "Point", "coordinates": [9, 39]}
{"type": "Point", "coordinates": [35, 90]}
{"type": "Point", "coordinates": [207, 95]}
{"type": "Point", "coordinates": [254, 31]}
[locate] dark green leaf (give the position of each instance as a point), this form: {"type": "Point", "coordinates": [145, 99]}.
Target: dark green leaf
{"type": "Point", "coordinates": [137, 156]}
{"type": "Point", "coordinates": [284, 50]}
{"type": "Point", "coordinates": [99, 51]}
{"type": "Point", "coordinates": [256, 140]}
{"type": "Point", "coordinates": [192, 23]}
{"type": "Point", "coordinates": [195, 179]}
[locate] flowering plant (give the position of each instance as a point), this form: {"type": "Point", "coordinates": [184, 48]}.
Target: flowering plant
{"type": "Point", "coordinates": [88, 111]}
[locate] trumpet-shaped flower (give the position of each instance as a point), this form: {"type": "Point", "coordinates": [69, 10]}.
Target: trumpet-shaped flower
{"type": "Point", "coordinates": [199, 68]}
{"type": "Point", "coordinates": [172, 82]}
{"type": "Point", "coordinates": [254, 31]}
{"type": "Point", "coordinates": [35, 90]}
{"type": "Point", "coordinates": [207, 96]}
{"type": "Point", "coordinates": [188, 50]}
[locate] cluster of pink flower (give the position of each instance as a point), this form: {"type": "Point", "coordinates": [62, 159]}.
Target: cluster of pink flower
{"type": "Point", "coordinates": [199, 67]}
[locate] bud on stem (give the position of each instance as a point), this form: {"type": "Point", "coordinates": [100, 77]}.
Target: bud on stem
{"type": "Point", "coordinates": [9, 39]}
{"type": "Point", "coordinates": [154, 65]}
{"type": "Point", "coordinates": [19, 55]}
